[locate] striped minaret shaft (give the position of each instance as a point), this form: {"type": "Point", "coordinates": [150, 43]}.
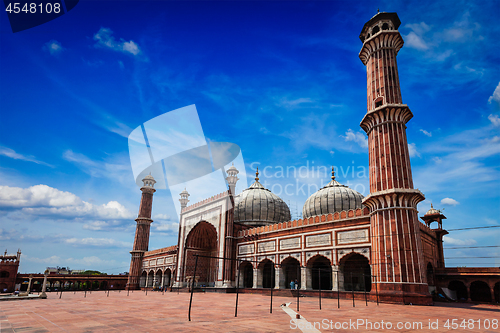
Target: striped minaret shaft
{"type": "Point", "coordinates": [397, 255]}
{"type": "Point", "coordinates": [141, 240]}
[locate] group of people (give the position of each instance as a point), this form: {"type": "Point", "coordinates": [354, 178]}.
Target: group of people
{"type": "Point", "coordinates": [294, 284]}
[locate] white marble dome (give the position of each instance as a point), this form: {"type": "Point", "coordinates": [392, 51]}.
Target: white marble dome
{"type": "Point", "coordinates": [257, 206]}
{"type": "Point", "coordinates": [433, 211]}
{"type": "Point", "coordinates": [332, 198]}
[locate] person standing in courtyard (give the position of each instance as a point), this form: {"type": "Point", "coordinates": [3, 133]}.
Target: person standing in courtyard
{"type": "Point", "coordinates": [292, 285]}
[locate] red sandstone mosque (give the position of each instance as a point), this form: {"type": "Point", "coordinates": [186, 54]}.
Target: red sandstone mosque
{"type": "Point", "coordinates": [344, 242]}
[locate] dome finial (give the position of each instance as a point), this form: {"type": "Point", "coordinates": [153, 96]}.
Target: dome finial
{"type": "Point", "coordinates": [257, 174]}
{"type": "Point", "coordinates": [431, 205]}
{"type": "Point", "coordinates": [333, 173]}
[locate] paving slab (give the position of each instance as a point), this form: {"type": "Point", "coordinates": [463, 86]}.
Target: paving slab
{"type": "Point", "coordinates": [215, 312]}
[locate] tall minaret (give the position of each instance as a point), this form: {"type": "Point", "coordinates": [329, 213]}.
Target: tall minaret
{"type": "Point", "coordinates": [229, 247]}
{"type": "Point", "coordinates": [141, 240]}
{"type": "Point", "coordinates": [232, 178]}
{"type": "Point", "coordinates": [397, 255]}
{"type": "Point", "coordinates": [184, 199]}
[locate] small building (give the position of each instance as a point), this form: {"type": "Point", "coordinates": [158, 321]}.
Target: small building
{"type": "Point", "coordinates": [9, 265]}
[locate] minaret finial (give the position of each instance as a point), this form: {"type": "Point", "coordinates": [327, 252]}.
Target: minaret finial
{"type": "Point", "coordinates": [257, 174]}
{"type": "Point", "coordinates": [333, 173]}
{"type": "Point", "coordinates": [378, 10]}
{"type": "Point", "coordinates": [431, 205]}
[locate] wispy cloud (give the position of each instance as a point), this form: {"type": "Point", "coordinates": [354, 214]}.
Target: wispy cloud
{"type": "Point", "coordinates": [415, 38]}
{"type": "Point", "coordinates": [495, 120]}
{"type": "Point", "coordinates": [97, 242]}
{"type": "Point", "coordinates": [495, 98]}
{"type": "Point", "coordinates": [92, 262]}
{"type": "Point", "coordinates": [116, 168]}
{"type": "Point", "coordinates": [461, 156]}
{"type": "Point", "coordinates": [429, 134]}
{"type": "Point", "coordinates": [455, 241]}
{"type": "Point", "coordinates": [105, 39]}
{"type": "Point", "coordinates": [412, 150]}
{"type": "Point", "coordinates": [13, 154]}
{"type": "Point", "coordinates": [53, 47]}
{"type": "Point", "coordinates": [358, 137]}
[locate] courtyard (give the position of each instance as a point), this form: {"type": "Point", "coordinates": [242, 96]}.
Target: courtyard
{"type": "Point", "coordinates": [214, 312]}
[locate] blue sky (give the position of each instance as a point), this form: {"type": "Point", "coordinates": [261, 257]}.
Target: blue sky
{"type": "Point", "coordinates": [282, 80]}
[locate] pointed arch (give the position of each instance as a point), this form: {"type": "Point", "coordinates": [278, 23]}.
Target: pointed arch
{"type": "Point", "coordinates": [321, 272]}
{"type": "Point", "coordinates": [356, 272]}
{"type": "Point", "coordinates": [201, 241]}
{"type": "Point", "coordinates": [266, 274]}
{"type": "Point", "coordinates": [290, 268]}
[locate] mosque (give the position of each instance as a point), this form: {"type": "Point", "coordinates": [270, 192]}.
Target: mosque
{"type": "Point", "coordinates": [344, 242]}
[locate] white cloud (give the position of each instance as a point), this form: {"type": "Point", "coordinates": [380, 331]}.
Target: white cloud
{"type": "Point", "coordinates": [98, 242]}
{"type": "Point", "coordinates": [419, 28]}
{"type": "Point", "coordinates": [105, 39]}
{"type": "Point", "coordinates": [449, 202]}
{"type": "Point", "coordinates": [412, 149]}
{"type": "Point", "coordinates": [46, 200]}
{"type": "Point", "coordinates": [429, 134]}
{"type": "Point", "coordinates": [13, 154]}
{"type": "Point", "coordinates": [495, 97]}
{"type": "Point", "coordinates": [109, 225]}
{"type": "Point", "coordinates": [461, 156]}
{"type": "Point", "coordinates": [168, 227]}
{"type": "Point", "coordinates": [495, 120]}
{"type": "Point", "coordinates": [295, 103]}
{"type": "Point", "coordinates": [454, 241]}
{"type": "Point", "coordinates": [53, 47]}
{"type": "Point", "coordinates": [36, 196]}
{"type": "Point", "coordinates": [415, 39]}
{"type": "Point", "coordinates": [358, 137]}
{"type": "Point", "coordinates": [117, 169]}
{"type": "Point", "coordinates": [161, 217]}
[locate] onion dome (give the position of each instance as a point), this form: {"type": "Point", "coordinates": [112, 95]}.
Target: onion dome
{"type": "Point", "coordinates": [149, 181]}
{"type": "Point", "coordinates": [257, 206]}
{"type": "Point", "coordinates": [433, 211]}
{"type": "Point", "coordinates": [332, 198]}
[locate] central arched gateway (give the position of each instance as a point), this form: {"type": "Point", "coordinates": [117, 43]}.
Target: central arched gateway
{"type": "Point", "coordinates": [356, 272]}
{"type": "Point", "coordinates": [201, 240]}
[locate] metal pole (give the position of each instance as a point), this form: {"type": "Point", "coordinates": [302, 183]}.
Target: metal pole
{"type": "Point", "coordinates": [271, 305]}
{"type": "Point", "coordinates": [319, 280]}
{"type": "Point", "coordinates": [108, 293]}
{"type": "Point", "coordinates": [128, 291]}
{"type": "Point", "coordinates": [338, 291]}
{"type": "Point", "coordinates": [376, 288]}
{"type": "Point", "coordinates": [298, 300]}
{"type": "Point", "coordinates": [237, 291]}
{"type": "Point", "coordinates": [352, 288]}
{"type": "Point", "coordinates": [403, 290]}
{"type": "Point", "coordinates": [192, 286]}
{"type": "Point", "coordinates": [364, 283]}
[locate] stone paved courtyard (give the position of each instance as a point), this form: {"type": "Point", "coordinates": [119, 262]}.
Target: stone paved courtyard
{"type": "Point", "coordinates": [213, 312]}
